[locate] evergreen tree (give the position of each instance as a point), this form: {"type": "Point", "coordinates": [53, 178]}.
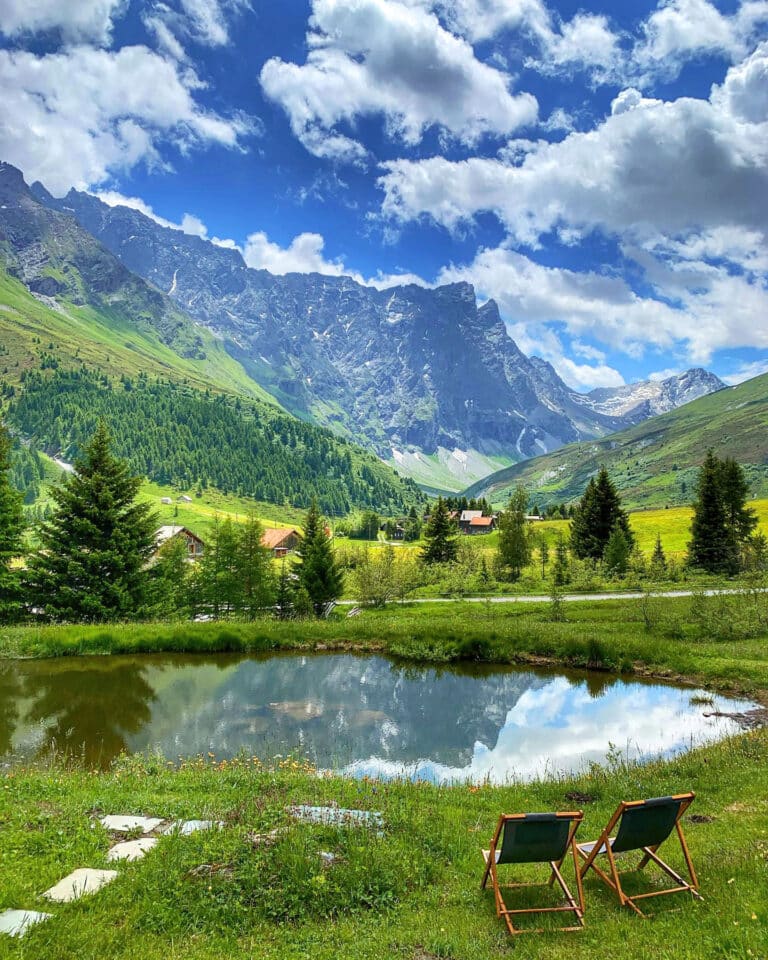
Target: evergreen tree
{"type": "Point", "coordinates": [254, 568]}
{"type": "Point", "coordinates": [514, 549]}
{"type": "Point", "coordinates": [617, 550]}
{"type": "Point", "coordinates": [317, 570]}
{"type": "Point", "coordinates": [560, 569]}
{"type": "Point", "coordinates": [284, 593]}
{"type": "Point", "coordinates": [412, 526]}
{"type": "Point", "coordinates": [170, 575]}
{"type": "Point", "coordinates": [722, 523]}
{"type": "Point", "coordinates": [658, 560]}
{"type": "Point", "coordinates": [441, 535]}
{"type": "Point", "coordinates": [543, 555]}
{"type": "Point", "coordinates": [11, 528]}
{"type": "Point", "coordinates": [596, 516]}
{"type": "Point", "coordinates": [94, 551]}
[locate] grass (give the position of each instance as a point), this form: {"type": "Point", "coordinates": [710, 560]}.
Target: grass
{"type": "Point", "coordinates": [411, 893]}
{"type": "Point", "coordinates": [716, 642]}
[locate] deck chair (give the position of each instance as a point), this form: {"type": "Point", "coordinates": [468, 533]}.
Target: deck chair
{"type": "Point", "coordinates": [535, 838]}
{"type": "Point", "coordinates": [642, 825]}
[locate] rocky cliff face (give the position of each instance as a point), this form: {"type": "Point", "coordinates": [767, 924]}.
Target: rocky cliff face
{"type": "Point", "coordinates": [401, 368]}
{"type": "Point", "coordinates": [405, 371]}
{"type": "Point", "coordinates": [636, 402]}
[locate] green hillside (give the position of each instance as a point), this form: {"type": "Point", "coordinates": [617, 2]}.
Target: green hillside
{"type": "Point", "coordinates": [654, 463]}
{"type": "Point", "coordinates": [62, 335]}
{"type": "Point", "coordinates": [175, 435]}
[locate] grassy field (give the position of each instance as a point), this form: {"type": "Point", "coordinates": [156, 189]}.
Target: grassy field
{"type": "Point", "coordinates": [713, 641]}
{"type": "Point", "coordinates": [412, 892]}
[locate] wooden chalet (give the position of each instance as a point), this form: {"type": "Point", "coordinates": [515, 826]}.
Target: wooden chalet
{"type": "Point", "coordinates": [281, 541]}
{"type": "Point", "coordinates": [195, 546]}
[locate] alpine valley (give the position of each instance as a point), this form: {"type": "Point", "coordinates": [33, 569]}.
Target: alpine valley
{"type": "Point", "coordinates": [428, 380]}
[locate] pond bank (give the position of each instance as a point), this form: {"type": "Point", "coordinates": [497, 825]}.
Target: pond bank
{"type": "Point", "coordinates": [660, 638]}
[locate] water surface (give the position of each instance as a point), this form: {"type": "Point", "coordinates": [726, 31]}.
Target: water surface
{"type": "Point", "coordinates": [358, 715]}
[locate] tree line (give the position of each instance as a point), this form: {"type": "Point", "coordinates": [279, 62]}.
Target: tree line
{"type": "Point", "coordinates": [179, 436]}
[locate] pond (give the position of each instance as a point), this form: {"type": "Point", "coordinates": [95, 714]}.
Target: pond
{"type": "Point", "coordinates": [358, 715]}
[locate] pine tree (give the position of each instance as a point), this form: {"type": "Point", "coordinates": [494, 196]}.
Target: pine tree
{"type": "Point", "coordinates": [11, 529]}
{"type": "Point", "coordinates": [658, 560]}
{"type": "Point", "coordinates": [560, 568]}
{"type": "Point", "coordinates": [92, 564]}
{"type": "Point", "coordinates": [722, 523]}
{"type": "Point", "coordinates": [170, 576]}
{"type": "Point", "coordinates": [514, 549]}
{"type": "Point", "coordinates": [254, 569]}
{"type": "Point", "coordinates": [596, 516]}
{"type": "Point", "coordinates": [284, 593]}
{"type": "Point", "coordinates": [617, 550]}
{"type": "Point", "coordinates": [317, 570]}
{"type": "Point", "coordinates": [441, 536]}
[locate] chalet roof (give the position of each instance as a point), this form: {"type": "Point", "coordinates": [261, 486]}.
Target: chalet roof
{"type": "Point", "coordinates": [481, 521]}
{"type": "Point", "coordinates": [467, 516]}
{"type": "Point", "coordinates": [276, 537]}
{"type": "Point", "coordinates": [165, 533]}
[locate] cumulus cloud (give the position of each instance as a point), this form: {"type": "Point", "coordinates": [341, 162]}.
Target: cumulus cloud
{"type": "Point", "coordinates": [392, 59]}
{"type": "Point", "coordinates": [681, 30]}
{"type": "Point", "coordinates": [651, 167]}
{"type": "Point", "coordinates": [72, 118]}
{"type": "Point", "coordinates": [83, 20]}
{"type": "Point", "coordinates": [305, 254]}
{"type": "Point", "coordinates": [746, 371]}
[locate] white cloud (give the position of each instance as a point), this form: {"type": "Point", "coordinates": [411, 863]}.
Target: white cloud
{"type": "Point", "coordinates": [651, 167]}
{"type": "Point", "coordinates": [205, 22]}
{"type": "Point", "coordinates": [482, 19]}
{"type": "Point", "coordinates": [72, 118]}
{"type": "Point", "coordinates": [305, 254]}
{"type": "Point", "coordinates": [681, 30]}
{"type": "Point", "coordinates": [747, 371]}
{"type": "Point", "coordinates": [75, 21]}
{"type": "Point", "coordinates": [392, 59]}
{"type": "Point", "coordinates": [533, 297]}
{"type": "Point", "coordinates": [658, 375]}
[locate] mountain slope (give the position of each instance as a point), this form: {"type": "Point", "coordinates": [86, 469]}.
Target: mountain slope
{"type": "Point", "coordinates": [656, 462]}
{"type": "Point", "coordinates": [82, 337]}
{"type": "Point", "coordinates": [649, 398]}
{"type": "Point", "coordinates": [406, 370]}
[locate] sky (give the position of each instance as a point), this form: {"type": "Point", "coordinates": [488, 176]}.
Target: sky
{"type": "Point", "coordinates": [598, 168]}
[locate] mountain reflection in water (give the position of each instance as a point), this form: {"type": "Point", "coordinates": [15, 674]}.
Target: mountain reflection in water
{"type": "Point", "coordinates": [359, 715]}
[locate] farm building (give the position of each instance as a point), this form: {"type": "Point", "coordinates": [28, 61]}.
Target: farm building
{"type": "Point", "coordinates": [282, 541]}
{"type": "Point", "coordinates": [195, 546]}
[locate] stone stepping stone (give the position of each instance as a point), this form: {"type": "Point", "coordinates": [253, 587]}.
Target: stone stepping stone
{"type": "Point", "coordinates": [337, 816]}
{"type": "Point", "coordinates": [132, 849]}
{"type": "Point", "coordinates": [185, 827]}
{"type": "Point", "coordinates": [16, 922]}
{"type": "Point", "coordinates": [121, 824]}
{"type": "Point", "coordinates": [79, 883]}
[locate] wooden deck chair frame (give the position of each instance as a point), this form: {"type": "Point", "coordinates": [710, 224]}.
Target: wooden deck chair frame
{"type": "Point", "coordinates": [575, 906]}
{"type": "Point", "coordinates": [606, 843]}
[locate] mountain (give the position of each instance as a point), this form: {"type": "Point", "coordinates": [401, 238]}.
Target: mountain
{"type": "Point", "coordinates": [649, 398]}
{"type": "Point", "coordinates": [654, 463]}
{"type": "Point", "coordinates": [426, 378]}
{"type": "Point", "coordinates": [82, 337]}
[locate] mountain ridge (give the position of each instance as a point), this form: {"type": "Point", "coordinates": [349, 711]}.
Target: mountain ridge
{"type": "Point", "coordinates": [414, 373]}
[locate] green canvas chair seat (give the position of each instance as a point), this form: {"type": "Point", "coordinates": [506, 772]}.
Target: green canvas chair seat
{"type": "Point", "coordinates": [643, 825]}
{"type": "Point", "coordinates": [535, 838]}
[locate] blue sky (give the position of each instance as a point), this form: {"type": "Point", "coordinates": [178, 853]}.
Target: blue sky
{"type": "Point", "coordinates": [600, 169]}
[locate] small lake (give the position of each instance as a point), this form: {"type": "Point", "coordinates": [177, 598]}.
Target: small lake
{"type": "Point", "coordinates": [358, 715]}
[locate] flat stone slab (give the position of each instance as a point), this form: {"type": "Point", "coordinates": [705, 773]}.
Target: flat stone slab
{"type": "Point", "coordinates": [79, 883]}
{"type": "Point", "coordinates": [16, 922]}
{"type": "Point", "coordinates": [132, 849]}
{"type": "Point", "coordinates": [185, 827]}
{"type": "Point", "coordinates": [120, 824]}
{"type": "Point", "coordinates": [337, 816]}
